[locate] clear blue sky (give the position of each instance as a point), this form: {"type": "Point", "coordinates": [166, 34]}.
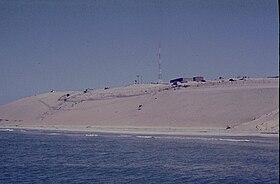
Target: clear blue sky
{"type": "Point", "coordinates": [77, 44]}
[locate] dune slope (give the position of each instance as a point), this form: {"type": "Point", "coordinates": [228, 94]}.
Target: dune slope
{"type": "Point", "coordinates": [250, 105]}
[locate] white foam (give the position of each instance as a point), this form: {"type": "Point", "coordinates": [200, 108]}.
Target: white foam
{"type": "Point", "coordinates": [221, 139]}
{"type": "Point", "coordinates": [91, 135]}
{"type": "Point", "coordinates": [145, 136]}
{"type": "Point", "coordinates": [235, 140]}
{"type": "Point", "coordinates": [205, 139]}
{"type": "Point", "coordinates": [7, 130]}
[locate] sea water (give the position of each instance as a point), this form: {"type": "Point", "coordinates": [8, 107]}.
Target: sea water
{"type": "Point", "coordinates": [61, 157]}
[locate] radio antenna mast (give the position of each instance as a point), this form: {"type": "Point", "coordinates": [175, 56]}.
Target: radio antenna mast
{"type": "Point", "coordinates": [159, 65]}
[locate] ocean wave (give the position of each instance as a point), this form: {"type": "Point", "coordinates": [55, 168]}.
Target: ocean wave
{"type": "Point", "coordinates": [53, 133]}
{"type": "Point", "coordinates": [235, 140]}
{"type": "Point", "coordinates": [91, 135]}
{"type": "Point", "coordinates": [7, 130]}
{"type": "Point", "coordinates": [145, 137]}
{"type": "Point", "coordinates": [124, 136]}
{"type": "Point", "coordinates": [223, 139]}
{"type": "Point", "coordinates": [204, 138]}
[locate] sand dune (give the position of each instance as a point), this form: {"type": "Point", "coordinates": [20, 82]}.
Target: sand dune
{"type": "Point", "coordinates": [266, 123]}
{"type": "Point", "coordinates": [240, 106]}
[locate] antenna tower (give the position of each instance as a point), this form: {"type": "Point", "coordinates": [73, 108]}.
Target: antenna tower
{"type": "Point", "coordinates": [159, 65]}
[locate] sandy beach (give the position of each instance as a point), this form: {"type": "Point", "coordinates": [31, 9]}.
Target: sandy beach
{"type": "Point", "coordinates": [218, 107]}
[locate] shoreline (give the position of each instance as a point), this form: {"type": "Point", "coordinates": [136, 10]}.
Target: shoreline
{"type": "Point", "coordinates": [168, 131]}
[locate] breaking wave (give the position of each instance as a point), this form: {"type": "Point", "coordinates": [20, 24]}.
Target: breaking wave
{"type": "Point", "coordinates": [7, 129]}
{"type": "Point", "coordinates": [91, 135]}
{"type": "Point", "coordinates": [145, 137]}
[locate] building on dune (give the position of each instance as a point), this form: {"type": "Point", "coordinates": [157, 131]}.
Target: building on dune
{"type": "Point", "coordinates": [198, 79]}
{"type": "Point", "coordinates": [182, 80]}
{"type": "Point", "coordinates": [187, 79]}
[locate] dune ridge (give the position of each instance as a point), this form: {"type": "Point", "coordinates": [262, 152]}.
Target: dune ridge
{"type": "Point", "coordinates": [222, 107]}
